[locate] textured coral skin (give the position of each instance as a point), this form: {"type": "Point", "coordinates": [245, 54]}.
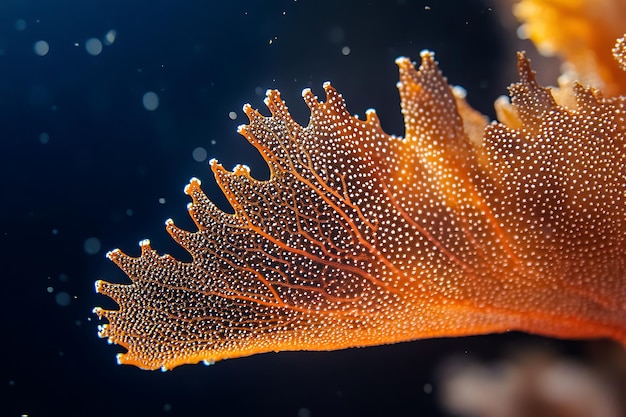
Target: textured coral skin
{"type": "Point", "coordinates": [360, 238]}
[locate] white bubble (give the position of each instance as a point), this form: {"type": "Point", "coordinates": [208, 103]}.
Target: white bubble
{"type": "Point", "coordinates": [20, 25]}
{"type": "Point", "coordinates": [63, 299]}
{"type": "Point", "coordinates": [110, 36]}
{"type": "Point", "coordinates": [92, 245]}
{"type": "Point", "coordinates": [199, 154]}
{"type": "Point", "coordinates": [162, 200]}
{"type": "Point", "coordinates": [150, 101]}
{"type": "Point", "coordinates": [44, 138]}
{"type": "Point", "coordinates": [50, 290]}
{"type": "Point", "coordinates": [93, 46]}
{"type": "Point", "coordinates": [41, 48]}
{"type": "Point", "coordinates": [232, 115]}
{"type": "Point", "coordinates": [345, 50]}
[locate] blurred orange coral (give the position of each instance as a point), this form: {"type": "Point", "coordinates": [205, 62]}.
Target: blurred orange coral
{"type": "Point", "coordinates": [534, 382]}
{"type": "Point", "coordinates": [582, 33]}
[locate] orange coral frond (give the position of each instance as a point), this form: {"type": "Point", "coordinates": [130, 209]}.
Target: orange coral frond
{"type": "Point", "coordinates": [361, 238]}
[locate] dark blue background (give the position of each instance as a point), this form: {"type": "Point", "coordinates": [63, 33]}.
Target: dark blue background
{"type": "Point", "coordinates": [107, 154]}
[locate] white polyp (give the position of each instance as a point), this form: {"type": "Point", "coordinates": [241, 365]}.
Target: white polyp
{"type": "Point", "coordinates": [459, 92]}
{"type": "Point", "coordinates": [401, 59]}
{"type": "Point", "coordinates": [502, 100]}
{"type": "Point", "coordinates": [169, 222]}
{"type": "Point", "coordinates": [241, 168]}
{"type": "Point", "coordinates": [426, 53]}
{"type": "Point", "coordinates": [144, 242]}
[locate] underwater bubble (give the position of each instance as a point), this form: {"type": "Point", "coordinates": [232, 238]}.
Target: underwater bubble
{"type": "Point", "coordinates": [110, 36]}
{"type": "Point", "coordinates": [20, 25]}
{"type": "Point", "coordinates": [63, 299]}
{"type": "Point", "coordinates": [41, 48]}
{"type": "Point", "coordinates": [92, 245]}
{"type": "Point", "coordinates": [150, 101]}
{"type": "Point", "coordinates": [93, 46]}
{"type": "Point", "coordinates": [199, 154]}
{"type": "Point", "coordinates": [336, 34]}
